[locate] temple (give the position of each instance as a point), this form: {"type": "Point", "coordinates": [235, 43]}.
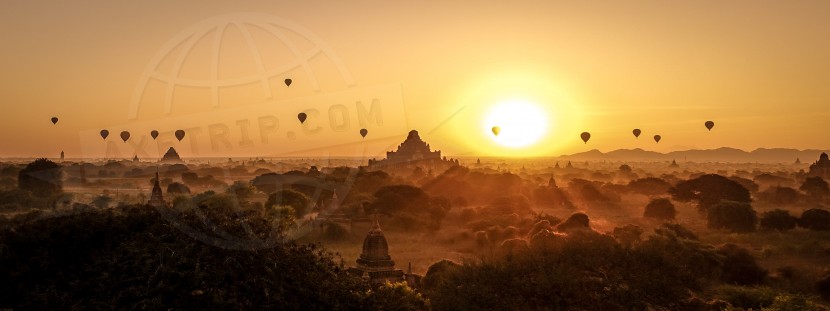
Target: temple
{"type": "Point", "coordinates": [376, 266]}
{"type": "Point", "coordinates": [413, 151]}
{"type": "Point", "coordinates": [171, 156]}
{"type": "Point", "coordinates": [156, 198]}
{"type": "Point", "coordinates": [821, 168]}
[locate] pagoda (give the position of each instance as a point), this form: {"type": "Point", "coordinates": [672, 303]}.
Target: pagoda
{"type": "Point", "coordinates": [821, 168]}
{"type": "Point", "coordinates": [171, 156]}
{"type": "Point", "coordinates": [413, 150]}
{"type": "Point", "coordinates": [156, 198]}
{"type": "Point", "coordinates": [375, 265]}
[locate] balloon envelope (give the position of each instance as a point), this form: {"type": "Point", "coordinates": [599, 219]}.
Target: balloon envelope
{"type": "Point", "coordinates": [125, 136]}
{"type": "Point", "coordinates": [709, 125]}
{"type": "Point", "coordinates": [104, 134]}
{"type": "Point", "coordinates": [54, 120]}
{"type": "Point", "coordinates": [637, 132]}
{"type": "Point", "coordinates": [657, 138]}
{"type": "Point", "coordinates": [288, 82]}
{"type": "Point", "coordinates": [154, 134]}
{"type": "Point", "coordinates": [585, 136]}
{"type": "Point", "coordinates": [363, 132]}
{"type": "Point", "coordinates": [179, 135]}
{"type": "Point", "coordinates": [302, 116]}
{"type": "Point", "coordinates": [496, 130]}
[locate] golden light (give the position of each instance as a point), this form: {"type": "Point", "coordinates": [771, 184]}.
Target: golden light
{"type": "Point", "coordinates": [522, 123]}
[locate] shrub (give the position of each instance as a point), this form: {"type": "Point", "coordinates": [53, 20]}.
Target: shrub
{"type": "Point", "coordinates": [334, 231]}
{"type": "Point", "coordinates": [296, 200]}
{"type": "Point", "coordinates": [577, 221]}
{"type": "Point", "coordinates": [661, 209]}
{"type": "Point", "coordinates": [815, 187]}
{"type": "Point", "coordinates": [732, 216]}
{"type": "Point", "coordinates": [739, 267]}
{"type": "Point", "coordinates": [778, 219]}
{"type": "Point", "coordinates": [41, 177]}
{"type": "Point", "coordinates": [746, 297]}
{"type": "Point", "coordinates": [815, 219]}
{"type": "Point", "coordinates": [823, 285]}
{"type": "Point", "coordinates": [787, 302]}
{"type": "Point", "coordinates": [131, 257]}
{"type": "Point", "coordinates": [177, 188]}
{"type": "Point", "coordinates": [628, 235]}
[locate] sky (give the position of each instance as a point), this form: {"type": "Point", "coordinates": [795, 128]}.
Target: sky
{"type": "Point", "coordinates": [449, 69]}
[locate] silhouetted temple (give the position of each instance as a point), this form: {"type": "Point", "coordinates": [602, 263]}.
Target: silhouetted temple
{"type": "Point", "coordinates": [171, 156]}
{"type": "Point", "coordinates": [412, 150]}
{"type": "Point", "coordinates": [821, 167]}
{"type": "Point", "coordinates": [156, 198]}
{"type": "Point", "coordinates": [376, 266]}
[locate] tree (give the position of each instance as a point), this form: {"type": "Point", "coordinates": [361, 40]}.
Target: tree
{"type": "Point", "coordinates": [178, 188]}
{"type": "Point", "coordinates": [732, 216]}
{"type": "Point", "coordinates": [101, 201]}
{"type": "Point", "coordinates": [296, 200]}
{"type": "Point", "coordinates": [708, 190]}
{"type": "Point", "coordinates": [242, 190]}
{"type": "Point", "coordinates": [779, 195]}
{"type": "Point", "coordinates": [190, 178]}
{"type": "Point", "coordinates": [815, 187]}
{"type": "Point", "coordinates": [815, 219]}
{"type": "Point", "coordinates": [661, 209]}
{"type": "Point", "coordinates": [41, 177]}
{"type": "Point", "coordinates": [739, 267]}
{"type": "Point", "coordinates": [778, 219]}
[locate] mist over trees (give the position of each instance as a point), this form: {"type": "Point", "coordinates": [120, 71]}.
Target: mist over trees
{"type": "Point", "coordinates": [591, 236]}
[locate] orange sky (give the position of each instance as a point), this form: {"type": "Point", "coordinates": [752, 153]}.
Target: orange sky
{"type": "Point", "coordinates": [759, 69]}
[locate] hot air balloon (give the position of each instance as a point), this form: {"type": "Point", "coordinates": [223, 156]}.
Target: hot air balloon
{"type": "Point", "coordinates": [287, 82]}
{"type": "Point", "coordinates": [363, 132]}
{"type": "Point", "coordinates": [710, 125]}
{"type": "Point", "coordinates": [104, 134]}
{"type": "Point", "coordinates": [179, 134]}
{"type": "Point", "coordinates": [125, 136]}
{"type": "Point", "coordinates": [154, 134]}
{"type": "Point", "coordinates": [585, 136]}
{"type": "Point", "coordinates": [657, 138]}
{"type": "Point", "coordinates": [302, 116]}
{"type": "Point", "coordinates": [496, 130]}
{"type": "Point", "coordinates": [54, 120]}
{"type": "Point", "coordinates": [637, 133]}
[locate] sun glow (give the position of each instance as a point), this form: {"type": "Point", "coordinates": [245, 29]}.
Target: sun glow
{"type": "Point", "coordinates": [521, 123]}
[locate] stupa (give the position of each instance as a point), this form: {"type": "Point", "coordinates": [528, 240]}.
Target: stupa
{"type": "Point", "coordinates": [156, 198]}
{"type": "Point", "coordinates": [374, 264]}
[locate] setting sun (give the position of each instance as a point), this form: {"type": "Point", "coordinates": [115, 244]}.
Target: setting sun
{"type": "Point", "coordinates": [521, 123]}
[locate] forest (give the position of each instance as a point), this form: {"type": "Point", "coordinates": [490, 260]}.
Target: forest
{"type": "Point", "coordinates": [485, 234]}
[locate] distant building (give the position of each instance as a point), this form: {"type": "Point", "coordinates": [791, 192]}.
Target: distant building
{"type": "Point", "coordinates": [821, 168]}
{"type": "Point", "coordinates": [135, 158]}
{"type": "Point", "coordinates": [171, 156]}
{"type": "Point", "coordinates": [413, 151]}
{"type": "Point", "coordinates": [673, 164]}
{"type": "Point", "coordinates": [156, 198]}
{"type": "Point", "coordinates": [376, 266]}
{"type": "Point", "coordinates": [62, 155]}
